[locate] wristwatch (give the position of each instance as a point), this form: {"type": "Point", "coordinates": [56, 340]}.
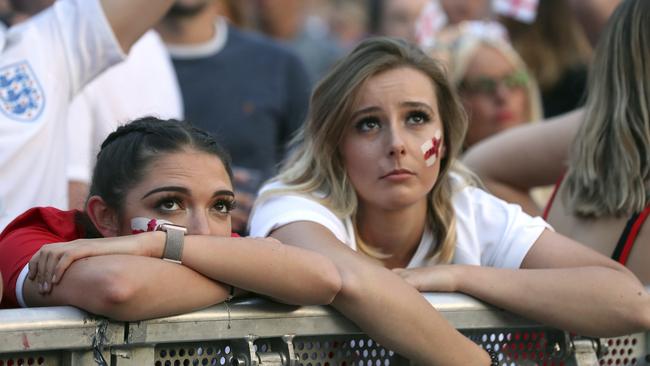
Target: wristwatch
{"type": "Point", "coordinates": [175, 237]}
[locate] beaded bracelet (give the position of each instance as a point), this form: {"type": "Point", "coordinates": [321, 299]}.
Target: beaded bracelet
{"type": "Point", "coordinates": [494, 359]}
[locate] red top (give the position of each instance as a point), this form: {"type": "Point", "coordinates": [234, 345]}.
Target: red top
{"type": "Point", "coordinates": [24, 236]}
{"type": "Point", "coordinates": [628, 237]}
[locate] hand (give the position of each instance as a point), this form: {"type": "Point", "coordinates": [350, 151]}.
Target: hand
{"type": "Point", "coordinates": [51, 261]}
{"type": "Point", "coordinates": [438, 278]}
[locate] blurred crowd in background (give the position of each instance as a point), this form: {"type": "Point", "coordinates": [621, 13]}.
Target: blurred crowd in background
{"type": "Point", "coordinates": [249, 65]}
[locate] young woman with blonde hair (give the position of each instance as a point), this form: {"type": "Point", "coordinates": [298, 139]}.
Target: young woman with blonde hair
{"type": "Point", "coordinates": [599, 155]}
{"type": "Point", "coordinates": [374, 184]}
{"type": "Point", "coordinates": [494, 84]}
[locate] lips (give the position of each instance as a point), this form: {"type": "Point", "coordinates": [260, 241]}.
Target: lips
{"type": "Point", "coordinates": [505, 116]}
{"type": "Point", "coordinates": [397, 173]}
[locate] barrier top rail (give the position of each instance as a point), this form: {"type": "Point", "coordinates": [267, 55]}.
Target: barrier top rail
{"type": "Point", "coordinates": [252, 325]}
{"type": "Point", "coordinates": [64, 327]}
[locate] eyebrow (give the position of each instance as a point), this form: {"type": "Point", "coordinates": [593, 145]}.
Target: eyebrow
{"type": "Point", "coordinates": [403, 104]}
{"type": "Point", "coordinates": [417, 105]}
{"type": "Point", "coordinates": [222, 192]}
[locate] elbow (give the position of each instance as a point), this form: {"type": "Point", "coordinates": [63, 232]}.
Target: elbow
{"type": "Point", "coordinates": [323, 288]}
{"type": "Point", "coordinates": [116, 295]}
{"type": "Point", "coordinates": [644, 313]}
{"type": "Point", "coordinates": [636, 314]}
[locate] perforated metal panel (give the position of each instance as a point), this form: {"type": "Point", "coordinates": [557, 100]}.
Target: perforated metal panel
{"type": "Point", "coordinates": [625, 351]}
{"type": "Point", "coordinates": [343, 351]}
{"type": "Point", "coordinates": [29, 359]}
{"type": "Point", "coordinates": [194, 354]}
{"type": "Point", "coordinates": [519, 347]}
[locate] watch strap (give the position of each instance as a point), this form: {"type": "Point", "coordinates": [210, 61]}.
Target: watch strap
{"type": "Point", "coordinates": [174, 240]}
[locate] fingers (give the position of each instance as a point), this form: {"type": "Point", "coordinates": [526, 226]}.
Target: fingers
{"type": "Point", "coordinates": [33, 266]}
{"type": "Point", "coordinates": [44, 265]}
{"type": "Point", "coordinates": [41, 268]}
{"type": "Point", "coordinates": [65, 260]}
{"type": "Point", "coordinates": [47, 266]}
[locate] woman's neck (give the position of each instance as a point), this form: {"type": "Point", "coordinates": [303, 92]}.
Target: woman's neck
{"type": "Point", "coordinates": [395, 233]}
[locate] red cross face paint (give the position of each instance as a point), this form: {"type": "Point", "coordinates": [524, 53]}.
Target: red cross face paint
{"type": "Point", "coordinates": [145, 224]}
{"type": "Point", "coordinates": [431, 148]}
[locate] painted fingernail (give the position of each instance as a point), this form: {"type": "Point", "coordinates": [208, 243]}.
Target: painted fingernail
{"type": "Point", "coordinates": [46, 286]}
{"type": "Point", "coordinates": [40, 287]}
{"type": "Point", "coordinates": [53, 278]}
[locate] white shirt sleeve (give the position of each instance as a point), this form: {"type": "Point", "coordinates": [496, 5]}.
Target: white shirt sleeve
{"type": "Point", "coordinates": [284, 209]}
{"type": "Point", "coordinates": [88, 40]}
{"type": "Point", "coordinates": [144, 84]}
{"type": "Point", "coordinates": [492, 232]}
{"type": "Point", "coordinates": [80, 125]}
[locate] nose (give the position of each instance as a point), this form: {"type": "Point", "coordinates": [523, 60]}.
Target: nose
{"type": "Point", "coordinates": [198, 223]}
{"type": "Point", "coordinates": [502, 92]}
{"type": "Point", "coordinates": [396, 142]}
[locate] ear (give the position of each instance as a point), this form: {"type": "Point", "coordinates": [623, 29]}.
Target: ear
{"type": "Point", "coordinates": [103, 217]}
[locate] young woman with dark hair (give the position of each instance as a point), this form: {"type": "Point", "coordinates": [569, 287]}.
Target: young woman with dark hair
{"type": "Point", "coordinates": [153, 174]}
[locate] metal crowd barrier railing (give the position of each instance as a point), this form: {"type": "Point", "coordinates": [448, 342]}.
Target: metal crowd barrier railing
{"type": "Point", "coordinates": [258, 332]}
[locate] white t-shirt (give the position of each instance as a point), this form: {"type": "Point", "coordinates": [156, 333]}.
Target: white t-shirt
{"type": "Point", "coordinates": [45, 61]}
{"type": "Point", "coordinates": [144, 84]}
{"type": "Point", "coordinates": [490, 232]}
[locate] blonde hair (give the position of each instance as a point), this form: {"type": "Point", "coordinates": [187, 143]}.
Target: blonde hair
{"type": "Point", "coordinates": [464, 47]}
{"type": "Point", "coordinates": [609, 167]}
{"type": "Point", "coordinates": [315, 167]}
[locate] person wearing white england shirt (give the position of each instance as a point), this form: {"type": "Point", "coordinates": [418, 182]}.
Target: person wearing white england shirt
{"type": "Point", "coordinates": [44, 62]}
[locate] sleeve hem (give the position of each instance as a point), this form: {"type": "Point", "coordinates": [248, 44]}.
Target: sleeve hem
{"type": "Point", "coordinates": [288, 218]}
{"type": "Point", "coordinates": [19, 286]}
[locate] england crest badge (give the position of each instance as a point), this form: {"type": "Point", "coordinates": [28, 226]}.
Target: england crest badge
{"type": "Point", "coordinates": [21, 96]}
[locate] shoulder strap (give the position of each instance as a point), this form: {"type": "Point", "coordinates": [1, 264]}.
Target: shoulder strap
{"type": "Point", "coordinates": [626, 241]}
{"type": "Point", "coordinates": [549, 204]}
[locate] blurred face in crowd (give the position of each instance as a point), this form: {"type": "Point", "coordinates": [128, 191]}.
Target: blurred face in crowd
{"type": "Point", "coordinates": [460, 10]}
{"type": "Point", "coordinates": [282, 19]}
{"type": "Point", "coordinates": [186, 8]}
{"type": "Point", "coordinates": [395, 113]}
{"type": "Point", "coordinates": [30, 7]}
{"type": "Point", "coordinates": [198, 196]}
{"type": "Point", "coordinates": [494, 94]}
{"type": "Point", "coordinates": [399, 18]}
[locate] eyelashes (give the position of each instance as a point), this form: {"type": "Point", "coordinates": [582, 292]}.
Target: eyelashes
{"type": "Point", "coordinates": [367, 123]}
{"type": "Point", "coordinates": [419, 117]}
{"type": "Point", "coordinates": [373, 122]}
{"type": "Point", "coordinates": [172, 203]}
{"type": "Point", "coordinates": [224, 205]}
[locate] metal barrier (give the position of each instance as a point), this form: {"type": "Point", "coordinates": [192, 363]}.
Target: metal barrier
{"type": "Point", "coordinates": [257, 332]}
